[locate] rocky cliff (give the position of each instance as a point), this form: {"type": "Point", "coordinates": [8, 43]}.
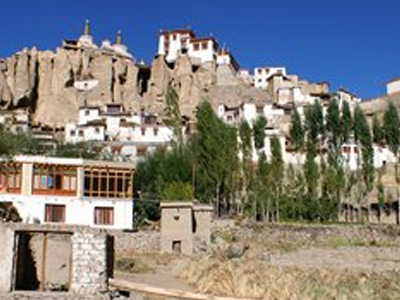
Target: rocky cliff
{"type": "Point", "coordinates": [50, 84]}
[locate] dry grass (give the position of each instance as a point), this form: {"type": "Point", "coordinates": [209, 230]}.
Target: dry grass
{"type": "Point", "coordinates": [142, 262]}
{"type": "Point", "coordinates": [262, 281]}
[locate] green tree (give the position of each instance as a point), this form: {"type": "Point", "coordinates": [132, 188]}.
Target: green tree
{"type": "Point", "coordinates": [259, 132]}
{"type": "Point", "coordinates": [296, 130]}
{"type": "Point", "coordinates": [177, 191]}
{"type": "Point", "coordinates": [377, 131]}
{"type": "Point", "coordinates": [346, 121]}
{"type": "Point", "coordinates": [391, 124]}
{"type": "Point", "coordinates": [245, 134]}
{"type": "Point", "coordinates": [17, 143]}
{"type": "Point", "coordinates": [79, 150]}
{"type": "Point", "coordinates": [363, 135]}
{"type": "Point", "coordinates": [333, 125]}
{"type": "Point", "coordinates": [173, 116]}
{"type": "Point", "coordinates": [216, 151]}
{"type": "Point", "coordinates": [276, 173]}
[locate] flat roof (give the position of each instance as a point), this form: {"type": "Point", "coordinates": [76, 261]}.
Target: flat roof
{"type": "Point", "coordinates": [72, 161]}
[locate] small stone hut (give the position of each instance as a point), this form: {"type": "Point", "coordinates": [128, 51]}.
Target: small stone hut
{"type": "Point", "coordinates": [185, 227]}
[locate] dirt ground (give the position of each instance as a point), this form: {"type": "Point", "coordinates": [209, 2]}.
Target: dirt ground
{"type": "Point", "coordinates": [269, 261]}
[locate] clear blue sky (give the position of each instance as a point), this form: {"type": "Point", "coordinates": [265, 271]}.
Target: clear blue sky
{"type": "Point", "coordinates": [353, 44]}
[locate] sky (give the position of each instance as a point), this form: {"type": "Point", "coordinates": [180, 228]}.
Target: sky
{"type": "Point", "coordinates": [351, 44]}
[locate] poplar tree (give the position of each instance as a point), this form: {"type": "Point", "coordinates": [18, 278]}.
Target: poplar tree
{"type": "Point", "coordinates": [259, 132]}
{"type": "Point", "coordinates": [296, 130]}
{"type": "Point", "coordinates": [333, 125]}
{"type": "Point", "coordinates": [377, 131]}
{"type": "Point", "coordinates": [215, 148]}
{"type": "Point", "coordinates": [245, 135]}
{"type": "Point", "coordinates": [391, 123]}
{"type": "Point", "coordinates": [363, 135]}
{"type": "Point", "coordinates": [173, 117]}
{"type": "Point", "coordinates": [346, 122]}
{"type": "Point", "coordinates": [276, 172]}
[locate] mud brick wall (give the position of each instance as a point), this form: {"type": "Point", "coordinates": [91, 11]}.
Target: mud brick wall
{"type": "Point", "coordinates": [90, 262]}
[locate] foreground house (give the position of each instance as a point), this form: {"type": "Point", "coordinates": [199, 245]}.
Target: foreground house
{"type": "Point", "coordinates": [69, 191]}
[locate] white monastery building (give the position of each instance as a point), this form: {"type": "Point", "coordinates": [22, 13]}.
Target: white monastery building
{"type": "Point", "coordinates": [69, 191]}
{"type": "Point", "coordinates": [201, 50]}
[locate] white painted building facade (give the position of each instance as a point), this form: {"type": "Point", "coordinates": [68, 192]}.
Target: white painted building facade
{"type": "Point", "coordinates": [261, 75]}
{"type": "Point", "coordinates": [128, 134]}
{"type": "Point", "coordinates": [69, 191]}
{"type": "Point", "coordinates": [393, 86]}
{"type": "Point", "coordinates": [201, 50]}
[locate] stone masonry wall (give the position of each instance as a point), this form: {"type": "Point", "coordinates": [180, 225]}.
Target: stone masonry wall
{"type": "Point", "coordinates": [6, 258]}
{"type": "Point", "coordinates": [136, 242]}
{"type": "Point", "coordinates": [89, 262]}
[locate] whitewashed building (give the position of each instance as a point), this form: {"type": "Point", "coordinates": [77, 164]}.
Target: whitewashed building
{"type": "Point", "coordinates": [393, 86]}
{"type": "Point", "coordinates": [130, 135]}
{"type": "Point", "coordinates": [69, 191]}
{"type": "Point", "coordinates": [262, 75]}
{"type": "Point", "coordinates": [201, 50]}
{"type": "Point", "coordinates": [352, 156]}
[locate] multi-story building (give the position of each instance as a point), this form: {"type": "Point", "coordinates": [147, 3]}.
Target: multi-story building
{"type": "Point", "coordinates": [128, 134]}
{"type": "Point", "coordinates": [201, 50]}
{"type": "Point", "coordinates": [262, 75]}
{"type": "Point", "coordinates": [69, 191]}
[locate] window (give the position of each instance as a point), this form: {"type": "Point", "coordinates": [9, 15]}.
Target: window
{"type": "Point", "coordinates": [87, 112]}
{"type": "Point", "coordinates": [72, 133]}
{"type": "Point", "coordinates": [10, 177]}
{"type": "Point", "coordinates": [174, 37]}
{"type": "Point", "coordinates": [97, 130]}
{"type": "Point", "coordinates": [54, 180]}
{"type": "Point", "coordinates": [346, 150]}
{"type": "Point", "coordinates": [166, 46]}
{"type": "Point", "coordinates": [80, 133]}
{"type": "Point", "coordinates": [107, 183]}
{"type": "Point", "coordinates": [356, 150]}
{"type": "Point", "coordinates": [114, 109]}
{"type": "Point", "coordinates": [155, 129]}
{"type": "Point", "coordinates": [196, 47]}
{"type": "Point", "coordinates": [54, 213]}
{"type": "Point", "coordinates": [104, 215]}
{"type": "Point", "coordinates": [259, 109]}
{"type": "Point", "coordinates": [143, 129]}
{"type": "Point", "coordinates": [204, 45]}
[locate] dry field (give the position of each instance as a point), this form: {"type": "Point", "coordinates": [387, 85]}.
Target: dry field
{"type": "Point", "coordinates": [252, 260]}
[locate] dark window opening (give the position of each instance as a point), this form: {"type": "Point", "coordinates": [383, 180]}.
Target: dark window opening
{"type": "Point", "coordinates": [177, 246]}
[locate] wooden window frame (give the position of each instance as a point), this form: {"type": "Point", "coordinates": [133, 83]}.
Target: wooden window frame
{"type": "Point", "coordinates": [50, 213]}
{"type": "Point", "coordinates": [104, 215]}
{"type": "Point", "coordinates": [46, 178]}
{"type": "Point", "coordinates": [107, 183]}
{"type": "Point", "coordinates": [10, 172]}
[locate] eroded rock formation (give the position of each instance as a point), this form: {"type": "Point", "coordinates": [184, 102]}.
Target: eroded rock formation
{"type": "Point", "coordinates": [45, 82]}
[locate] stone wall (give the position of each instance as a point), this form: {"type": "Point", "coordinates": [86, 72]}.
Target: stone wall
{"type": "Point", "coordinates": [90, 263]}
{"type": "Point", "coordinates": [135, 242]}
